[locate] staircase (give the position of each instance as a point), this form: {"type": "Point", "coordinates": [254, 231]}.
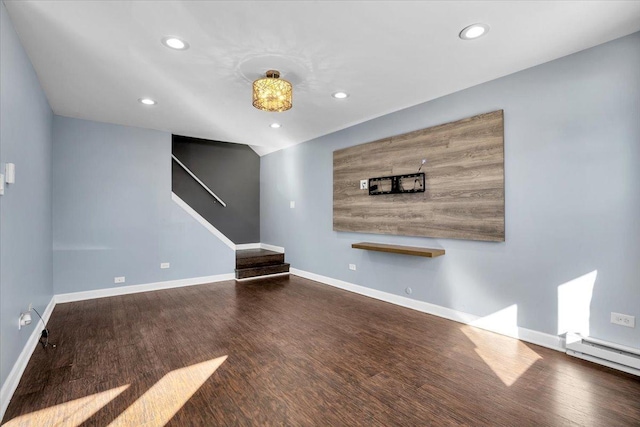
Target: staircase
{"type": "Point", "coordinates": [259, 262]}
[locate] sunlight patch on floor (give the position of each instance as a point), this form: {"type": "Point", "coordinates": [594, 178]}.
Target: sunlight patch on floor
{"type": "Point", "coordinates": [508, 358]}
{"type": "Point", "coordinates": [165, 398]}
{"type": "Point", "coordinates": [504, 321]}
{"type": "Point", "coordinates": [72, 413]}
{"type": "Point", "coordinates": [574, 304]}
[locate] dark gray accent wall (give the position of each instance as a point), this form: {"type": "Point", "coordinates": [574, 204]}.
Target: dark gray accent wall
{"type": "Point", "coordinates": [572, 201]}
{"type": "Point", "coordinates": [25, 209]}
{"type": "Point", "coordinates": [232, 172]}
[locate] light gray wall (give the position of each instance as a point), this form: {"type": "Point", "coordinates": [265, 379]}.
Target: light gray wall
{"type": "Point", "coordinates": [113, 214]}
{"type": "Point", "coordinates": [25, 208]}
{"type": "Point", "coordinates": [572, 167]}
{"type": "Point", "coordinates": [232, 172]}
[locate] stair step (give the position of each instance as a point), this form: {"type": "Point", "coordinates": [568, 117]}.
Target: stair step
{"type": "Point", "coordinates": [244, 273]}
{"type": "Point", "coordinates": [257, 258]}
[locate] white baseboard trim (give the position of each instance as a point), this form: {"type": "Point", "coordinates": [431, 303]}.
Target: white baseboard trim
{"type": "Point", "coordinates": [133, 289]}
{"type": "Point", "coordinates": [206, 224]}
{"type": "Point", "coordinates": [272, 248]}
{"type": "Point", "coordinates": [244, 246]}
{"type": "Point", "coordinates": [188, 209]}
{"type": "Point", "coordinates": [539, 338]}
{"type": "Point", "coordinates": [13, 379]}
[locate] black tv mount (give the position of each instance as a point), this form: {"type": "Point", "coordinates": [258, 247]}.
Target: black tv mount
{"type": "Point", "coordinates": [397, 184]}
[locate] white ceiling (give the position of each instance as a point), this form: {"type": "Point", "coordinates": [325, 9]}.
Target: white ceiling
{"type": "Point", "coordinates": [96, 58]}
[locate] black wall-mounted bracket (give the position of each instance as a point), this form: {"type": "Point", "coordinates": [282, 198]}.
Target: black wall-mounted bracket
{"type": "Point", "coordinates": [397, 184]}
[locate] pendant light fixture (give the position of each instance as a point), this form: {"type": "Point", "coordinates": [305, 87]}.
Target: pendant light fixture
{"type": "Point", "coordinates": [271, 93]}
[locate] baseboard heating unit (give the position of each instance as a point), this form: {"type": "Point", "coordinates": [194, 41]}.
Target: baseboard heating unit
{"type": "Point", "coordinates": [615, 356]}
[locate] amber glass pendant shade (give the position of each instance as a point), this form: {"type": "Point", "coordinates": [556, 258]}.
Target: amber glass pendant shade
{"type": "Point", "coordinates": [271, 93]}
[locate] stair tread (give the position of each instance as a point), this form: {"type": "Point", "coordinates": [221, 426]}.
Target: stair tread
{"type": "Point", "coordinates": [250, 253]}
{"type": "Point", "coordinates": [280, 264]}
{"type": "Point", "coordinates": [243, 273]}
{"type": "Point", "coordinates": [250, 258]}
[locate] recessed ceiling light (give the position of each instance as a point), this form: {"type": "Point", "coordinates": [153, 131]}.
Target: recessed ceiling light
{"type": "Point", "coordinates": [474, 31]}
{"type": "Point", "coordinates": [147, 101]}
{"type": "Point", "coordinates": [340, 95]}
{"type": "Point", "coordinates": [275, 125]}
{"type": "Point", "coordinates": [175, 43]}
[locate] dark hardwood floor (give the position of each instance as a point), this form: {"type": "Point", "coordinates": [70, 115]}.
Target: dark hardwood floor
{"type": "Point", "coordinates": [300, 353]}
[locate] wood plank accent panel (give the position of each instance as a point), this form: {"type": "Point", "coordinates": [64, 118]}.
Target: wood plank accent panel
{"type": "Point", "coordinates": [464, 197]}
{"type": "Point", "coordinates": [398, 249]}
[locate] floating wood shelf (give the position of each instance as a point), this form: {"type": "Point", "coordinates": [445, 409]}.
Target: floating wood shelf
{"type": "Point", "coordinates": [397, 249]}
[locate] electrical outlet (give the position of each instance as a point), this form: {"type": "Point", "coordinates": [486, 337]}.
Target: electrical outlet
{"type": "Point", "coordinates": [623, 319]}
{"type": "Point", "coordinates": [30, 307]}
{"type": "Point", "coordinates": [352, 267]}
{"type": "Point", "coordinates": [165, 265]}
{"type": "Point", "coordinates": [118, 279]}
{"type": "Point", "coordinates": [364, 184]}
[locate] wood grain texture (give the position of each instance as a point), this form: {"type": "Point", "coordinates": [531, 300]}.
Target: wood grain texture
{"type": "Point", "coordinates": [398, 249]}
{"type": "Point", "coordinates": [245, 273]}
{"type": "Point", "coordinates": [299, 353]}
{"type": "Point", "coordinates": [464, 196]}
{"type": "Point", "coordinates": [257, 258]}
{"type": "Point", "coordinates": [259, 262]}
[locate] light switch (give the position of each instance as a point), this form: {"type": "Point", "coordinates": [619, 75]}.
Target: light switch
{"type": "Point", "coordinates": [10, 173]}
{"type": "Point", "coordinates": [292, 204]}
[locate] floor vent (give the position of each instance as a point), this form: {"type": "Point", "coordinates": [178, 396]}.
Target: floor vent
{"type": "Point", "coordinates": [615, 356]}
